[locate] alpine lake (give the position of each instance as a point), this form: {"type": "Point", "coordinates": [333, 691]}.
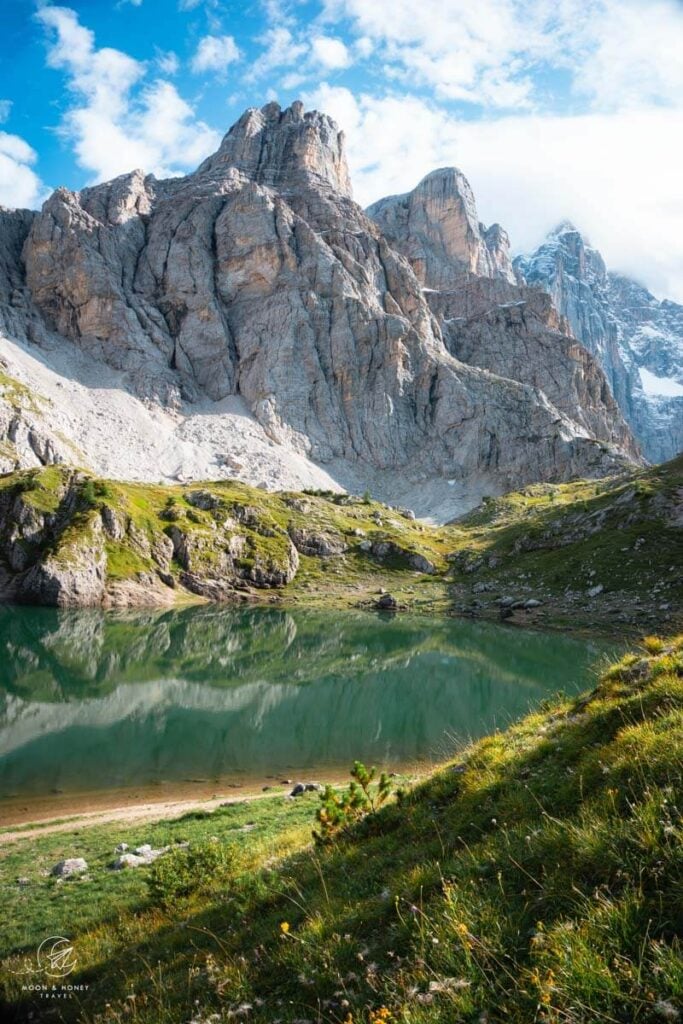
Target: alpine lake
{"type": "Point", "coordinates": [99, 708]}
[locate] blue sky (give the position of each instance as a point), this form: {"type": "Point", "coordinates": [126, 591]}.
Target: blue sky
{"type": "Point", "coordinates": [553, 108]}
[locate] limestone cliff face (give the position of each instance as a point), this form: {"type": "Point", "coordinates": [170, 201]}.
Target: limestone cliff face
{"type": "Point", "coordinates": [487, 318]}
{"type": "Point", "coordinates": [436, 227]}
{"type": "Point", "coordinates": [637, 339]}
{"type": "Point", "coordinates": [14, 303]}
{"type": "Point", "coordinates": [516, 332]}
{"type": "Point", "coordinates": [259, 276]}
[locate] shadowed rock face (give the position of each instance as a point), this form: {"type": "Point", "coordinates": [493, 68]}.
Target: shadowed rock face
{"type": "Point", "coordinates": [488, 319]}
{"type": "Point", "coordinates": [516, 332]}
{"type": "Point", "coordinates": [626, 327]}
{"type": "Point", "coordinates": [258, 275]}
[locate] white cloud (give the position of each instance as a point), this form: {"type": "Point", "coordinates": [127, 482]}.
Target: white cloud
{"type": "Point", "coordinates": [168, 62]}
{"type": "Point", "coordinates": [461, 50]}
{"type": "Point", "coordinates": [281, 50]}
{"type": "Point", "coordinates": [637, 58]}
{"type": "Point", "coordinates": [19, 184]}
{"type": "Point", "coordinates": [363, 46]}
{"type": "Point", "coordinates": [215, 53]}
{"type": "Point", "coordinates": [116, 122]}
{"type": "Point", "coordinates": [212, 10]}
{"type": "Point", "coordinates": [616, 52]}
{"type": "Point", "coordinates": [330, 53]}
{"type": "Point", "coordinates": [288, 47]}
{"type": "Point", "coordinates": [616, 175]}
{"type": "Point", "coordinates": [5, 109]}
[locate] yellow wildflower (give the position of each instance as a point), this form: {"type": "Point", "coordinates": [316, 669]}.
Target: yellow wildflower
{"type": "Point", "coordinates": [284, 927]}
{"type": "Point", "coordinates": [381, 1016]}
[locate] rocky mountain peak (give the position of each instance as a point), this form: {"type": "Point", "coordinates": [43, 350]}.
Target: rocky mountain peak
{"type": "Point", "coordinates": [437, 228]}
{"type": "Point", "coordinates": [281, 148]}
{"type": "Point", "coordinates": [564, 257]}
{"type": "Point", "coordinates": [564, 227]}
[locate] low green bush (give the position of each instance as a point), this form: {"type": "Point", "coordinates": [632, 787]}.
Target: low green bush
{"type": "Point", "coordinates": [189, 870]}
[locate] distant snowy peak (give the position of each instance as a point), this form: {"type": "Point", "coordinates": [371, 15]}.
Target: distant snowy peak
{"type": "Point", "coordinates": [637, 338]}
{"type": "Point", "coordinates": [565, 253]}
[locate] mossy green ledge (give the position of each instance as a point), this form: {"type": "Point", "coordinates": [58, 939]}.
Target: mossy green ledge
{"type": "Point", "coordinates": [591, 554]}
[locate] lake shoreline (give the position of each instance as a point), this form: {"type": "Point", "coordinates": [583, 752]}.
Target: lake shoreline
{"type": "Point", "coordinates": [133, 814]}
{"type": "Point", "coordinates": [136, 804]}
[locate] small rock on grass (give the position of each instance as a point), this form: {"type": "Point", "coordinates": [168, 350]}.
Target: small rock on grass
{"type": "Point", "coordinates": [140, 856]}
{"type": "Point", "coordinates": [306, 787]}
{"type": "Point", "coordinates": [70, 866]}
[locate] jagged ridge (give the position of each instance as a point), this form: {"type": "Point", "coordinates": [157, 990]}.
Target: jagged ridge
{"type": "Point", "coordinates": [258, 276]}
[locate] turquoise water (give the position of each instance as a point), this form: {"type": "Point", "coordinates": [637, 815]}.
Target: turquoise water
{"type": "Point", "coordinates": [96, 701]}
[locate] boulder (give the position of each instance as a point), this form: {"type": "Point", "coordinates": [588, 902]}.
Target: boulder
{"type": "Point", "coordinates": [69, 867]}
{"type": "Point", "coordinates": [317, 543]}
{"type": "Point", "coordinates": [141, 856]}
{"type": "Point", "coordinates": [204, 500]}
{"type": "Point", "coordinates": [305, 787]}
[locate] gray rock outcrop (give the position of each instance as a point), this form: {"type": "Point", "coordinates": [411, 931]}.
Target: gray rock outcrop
{"type": "Point", "coordinates": [488, 319]}
{"type": "Point", "coordinates": [50, 562]}
{"type": "Point", "coordinates": [637, 338]}
{"type": "Point", "coordinates": [259, 276]}
{"type": "Point", "coordinates": [27, 437]}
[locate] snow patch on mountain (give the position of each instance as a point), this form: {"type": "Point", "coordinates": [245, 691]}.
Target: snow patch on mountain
{"type": "Point", "coordinates": [659, 387]}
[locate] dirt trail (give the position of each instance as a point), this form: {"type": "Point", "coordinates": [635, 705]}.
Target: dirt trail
{"type": "Point", "coordinates": [163, 810]}
{"type": "Point", "coordinates": [73, 818]}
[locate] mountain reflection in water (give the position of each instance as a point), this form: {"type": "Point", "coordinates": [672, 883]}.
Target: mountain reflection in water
{"type": "Point", "coordinates": [102, 700]}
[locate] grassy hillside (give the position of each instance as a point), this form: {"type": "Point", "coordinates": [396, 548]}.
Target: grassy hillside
{"type": "Point", "coordinates": [589, 554]}
{"type": "Point", "coordinates": [538, 878]}
{"type": "Point", "coordinates": [606, 552]}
